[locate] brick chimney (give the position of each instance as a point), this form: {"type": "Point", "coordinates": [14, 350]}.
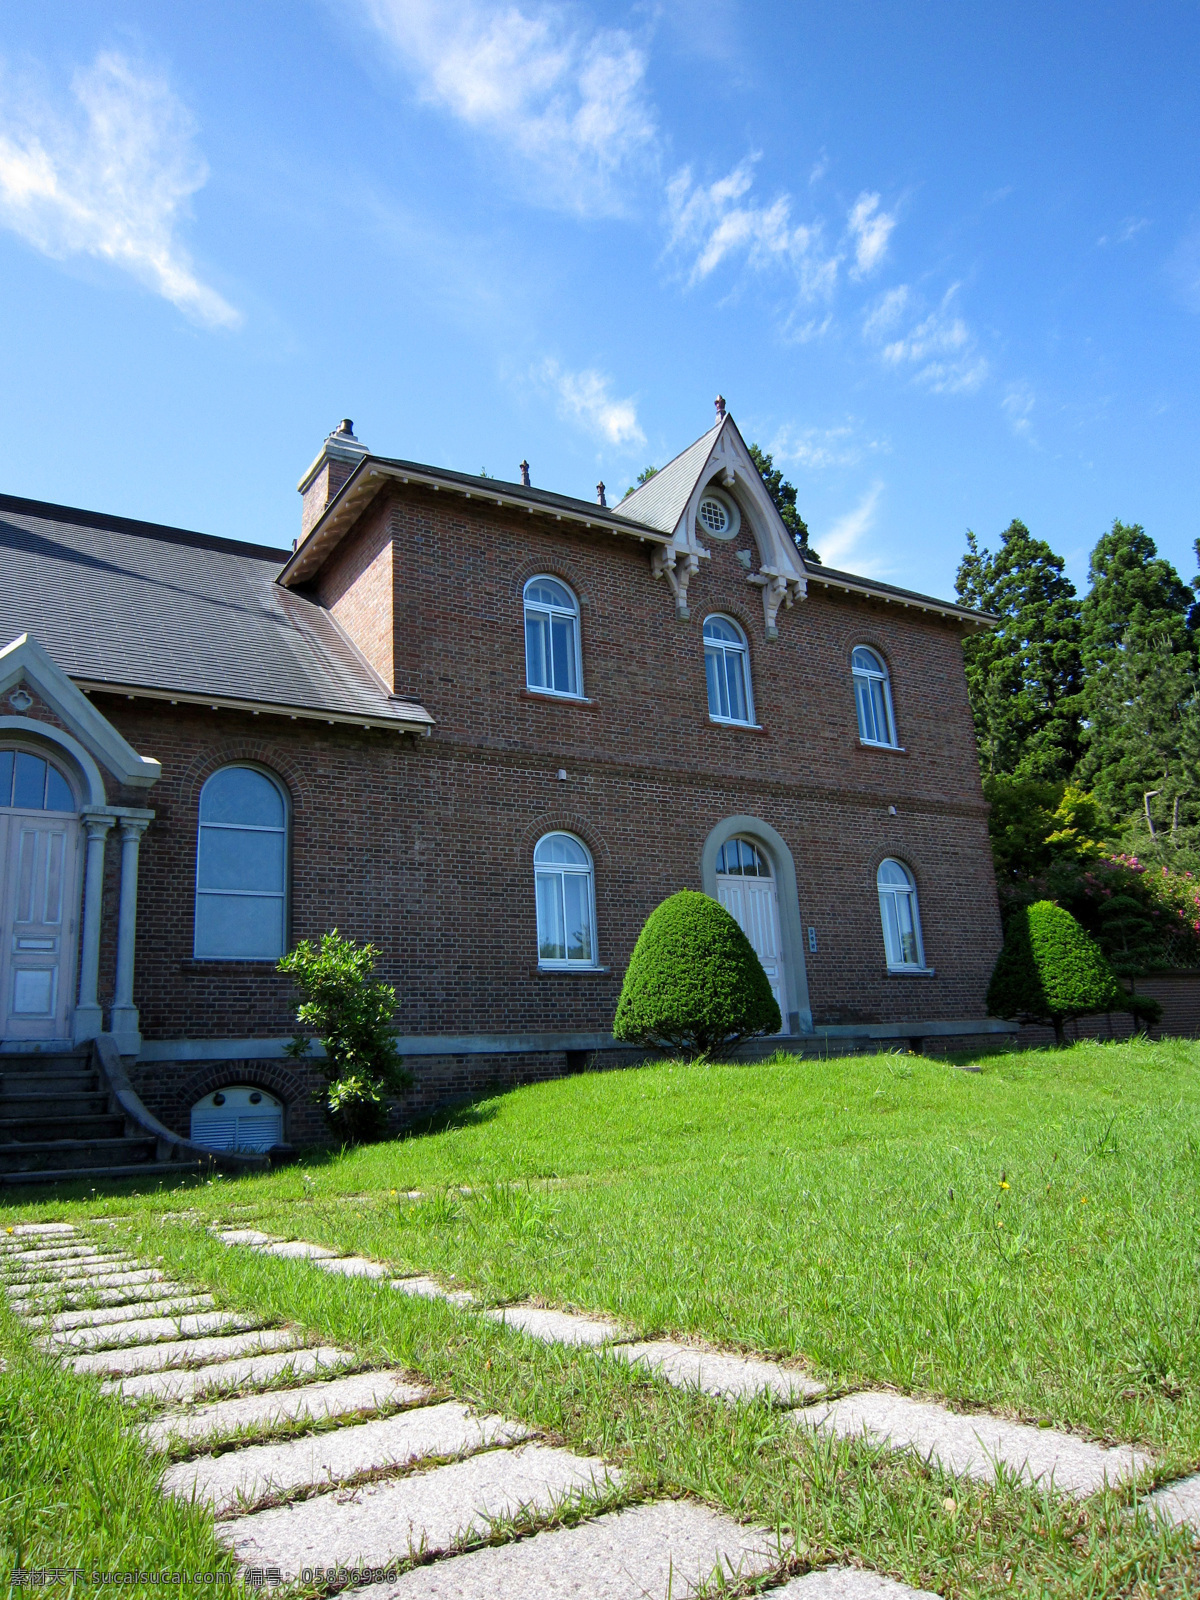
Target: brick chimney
{"type": "Point", "coordinates": [339, 456]}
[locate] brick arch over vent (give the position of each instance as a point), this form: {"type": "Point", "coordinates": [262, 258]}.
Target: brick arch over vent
{"type": "Point", "coordinates": [273, 1076]}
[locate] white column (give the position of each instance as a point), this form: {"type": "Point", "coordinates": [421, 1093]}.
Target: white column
{"type": "Point", "coordinates": [89, 1018]}
{"type": "Point", "coordinates": [124, 1012]}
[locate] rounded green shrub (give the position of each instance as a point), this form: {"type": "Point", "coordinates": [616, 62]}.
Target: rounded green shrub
{"type": "Point", "coordinates": [1050, 969]}
{"type": "Point", "coordinates": [694, 982]}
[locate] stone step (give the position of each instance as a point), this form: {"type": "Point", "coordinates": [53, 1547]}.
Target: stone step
{"type": "Point", "coordinates": [426, 1511]}
{"type": "Point", "coordinates": [84, 1296]}
{"type": "Point", "coordinates": [361, 1395]}
{"type": "Point", "coordinates": [26, 1230]}
{"type": "Point", "coordinates": [243, 1478]}
{"type": "Point", "coordinates": [354, 1267]}
{"type": "Point", "coordinates": [184, 1353]}
{"type": "Point", "coordinates": [100, 1316]}
{"type": "Point", "coordinates": [713, 1372]}
{"type": "Point", "coordinates": [67, 1123]}
{"type": "Point", "coordinates": [1178, 1502]}
{"type": "Point", "coordinates": [150, 1330]}
{"type": "Point", "coordinates": [116, 1278]}
{"type": "Point", "coordinates": [664, 1551]}
{"type": "Point", "coordinates": [16, 1084]}
{"type": "Point", "coordinates": [40, 1270]}
{"type": "Point", "coordinates": [72, 1153]}
{"type": "Point", "coordinates": [971, 1445]}
{"type": "Point", "coordinates": [49, 1252]}
{"type": "Point", "coordinates": [244, 1236]}
{"type": "Point", "coordinates": [149, 1171]}
{"type": "Point", "coordinates": [431, 1289]}
{"type": "Point", "coordinates": [201, 1383]}
{"type": "Point", "coordinates": [557, 1327]}
{"type": "Point", "coordinates": [848, 1583]}
{"type": "Point", "coordinates": [45, 1102]}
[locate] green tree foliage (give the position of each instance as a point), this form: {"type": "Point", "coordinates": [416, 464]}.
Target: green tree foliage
{"type": "Point", "coordinates": [1024, 677]}
{"type": "Point", "coordinates": [1050, 970]}
{"type": "Point", "coordinates": [1134, 596]}
{"type": "Point", "coordinates": [694, 982]}
{"type": "Point", "coordinates": [352, 1016]}
{"type": "Point", "coordinates": [643, 476]}
{"type": "Point", "coordinates": [783, 494]}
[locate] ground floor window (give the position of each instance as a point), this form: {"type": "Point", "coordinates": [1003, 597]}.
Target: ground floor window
{"type": "Point", "coordinates": [901, 917]}
{"type": "Point", "coordinates": [566, 902]}
{"type": "Point", "coordinates": [239, 1117]}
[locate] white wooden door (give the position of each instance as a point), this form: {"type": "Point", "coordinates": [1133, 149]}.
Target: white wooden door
{"type": "Point", "coordinates": [753, 905]}
{"type": "Point", "coordinates": [39, 910]}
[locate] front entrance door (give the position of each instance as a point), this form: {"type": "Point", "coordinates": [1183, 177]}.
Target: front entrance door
{"type": "Point", "coordinates": [39, 899]}
{"type": "Point", "coordinates": [746, 888]}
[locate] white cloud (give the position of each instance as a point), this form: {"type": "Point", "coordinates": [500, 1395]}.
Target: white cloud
{"type": "Point", "coordinates": [1017, 405]}
{"type": "Point", "coordinates": [941, 346]}
{"type": "Point", "coordinates": [820, 448]}
{"type": "Point", "coordinates": [586, 398]}
{"type": "Point", "coordinates": [1128, 230]}
{"type": "Point", "coordinates": [570, 101]}
{"type": "Point", "coordinates": [716, 221]}
{"type": "Point", "coordinates": [842, 543]}
{"type": "Point", "coordinates": [112, 181]}
{"type": "Point", "coordinates": [870, 229]}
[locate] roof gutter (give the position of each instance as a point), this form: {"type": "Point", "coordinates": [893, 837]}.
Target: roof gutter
{"type": "Point", "coordinates": [941, 608]}
{"type": "Point", "coordinates": [410, 718]}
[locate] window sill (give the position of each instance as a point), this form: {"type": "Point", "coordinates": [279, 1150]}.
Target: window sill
{"type": "Point", "coordinates": [746, 727]}
{"type": "Point", "coordinates": [224, 963]}
{"type": "Point", "coordinates": [579, 971]}
{"type": "Point", "coordinates": [557, 699]}
{"type": "Point", "coordinates": [912, 972]}
{"type": "Point", "coordinates": [893, 749]}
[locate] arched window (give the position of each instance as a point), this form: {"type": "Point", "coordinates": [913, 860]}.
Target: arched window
{"type": "Point", "coordinates": [739, 858]}
{"type": "Point", "coordinates": [727, 668]}
{"type": "Point", "coordinates": [30, 784]}
{"type": "Point", "coordinates": [552, 662]}
{"type": "Point", "coordinates": [901, 918]}
{"type": "Point", "coordinates": [241, 867]}
{"type": "Point", "coordinates": [566, 902]}
{"type": "Point", "coordinates": [873, 696]}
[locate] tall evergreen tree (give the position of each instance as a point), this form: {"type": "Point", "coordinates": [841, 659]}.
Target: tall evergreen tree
{"type": "Point", "coordinates": [1024, 677]}
{"type": "Point", "coordinates": [783, 494]}
{"type": "Point", "coordinates": [1134, 592]}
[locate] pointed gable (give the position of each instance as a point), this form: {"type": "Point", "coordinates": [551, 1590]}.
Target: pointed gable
{"type": "Point", "coordinates": [661, 501]}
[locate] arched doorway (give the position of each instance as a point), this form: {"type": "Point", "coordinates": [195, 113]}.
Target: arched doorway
{"type": "Point", "coordinates": [746, 888]}
{"type": "Point", "coordinates": [39, 895]}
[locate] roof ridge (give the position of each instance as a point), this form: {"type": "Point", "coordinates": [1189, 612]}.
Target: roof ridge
{"type": "Point", "coordinates": [49, 511]}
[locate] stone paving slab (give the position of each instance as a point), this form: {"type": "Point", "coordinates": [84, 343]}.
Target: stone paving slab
{"type": "Point", "coordinates": [70, 1300]}
{"type": "Point", "coordinates": [428, 1511]}
{"type": "Point", "coordinates": [245, 1236]}
{"type": "Point", "coordinates": [195, 1383]}
{"type": "Point", "coordinates": [353, 1266]}
{"type": "Point", "coordinates": [244, 1477]}
{"type": "Point", "coordinates": [98, 1316]}
{"type": "Point", "coordinates": [149, 1330]}
{"type": "Point", "coordinates": [23, 1230]}
{"type": "Point", "coordinates": [118, 1276]}
{"type": "Point", "coordinates": [729, 1377]}
{"type": "Point", "coordinates": [360, 1395]}
{"type": "Point", "coordinates": [556, 1327]}
{"type": "Point", "coordinates": [848, 1583]}
{"type": "Point", "coordinates": [652, 1552]}
{"type": "Point", "coordinates": [1178, 1502]}
{"type": "Point", "coordinates": [295, 1250]}
{"type": "Point", "coordinates": [431, 1289]}
{"type": "Point", "coordinates": [53, 1252]}
{"type": "Point", "coordinates": [61, 1271]}
{"type": "Point", "coordinates": [971, 1445]}
{"type": "Point", "coordinates": [184, 1352]}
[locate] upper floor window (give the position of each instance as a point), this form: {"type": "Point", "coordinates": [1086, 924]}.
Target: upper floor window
{"type": "Point", "coordinates": [31, 784]}
{"type": "Point", "coordinates": [727, 668]}
{"type": "Point", "coordinates": [241, 867]}
{"type": "Point", "coordinates": [901, 917]}
{"type": "Point", "coordinates": [566, 902]}
{"type": "Point", "coordinates": [873, 697]}
{"type": "Point", "coordinates": [552, 662]}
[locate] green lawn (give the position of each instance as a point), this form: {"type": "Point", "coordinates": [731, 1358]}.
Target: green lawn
{"type": "Point", "coordinates": [1022, 1235]}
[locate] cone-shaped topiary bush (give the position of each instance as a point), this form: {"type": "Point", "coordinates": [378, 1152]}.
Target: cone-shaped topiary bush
{"type": "Point", "coordinates": [1051, 969]}
{"type": "Point", "coordinates": [694, 982]}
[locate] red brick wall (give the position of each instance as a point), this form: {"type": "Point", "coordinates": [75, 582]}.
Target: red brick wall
{"type": "Point", "coordinates": [358, 585]}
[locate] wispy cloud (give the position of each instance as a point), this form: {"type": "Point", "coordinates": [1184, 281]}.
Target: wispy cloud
{"type": "Point", "coordinates": [870, 229]}
{"type": "Point", "coordinates": [1183, 268]}
{"type": "Point", "coordinates": [1017, 405]}
{"type": "Point", "coordinates": [586, 398]}
{"type": "Point", "coordinates": [111, 180]}
{"type": "Point", "coordinates": [941, 347]}
{"type": "Point", "coordinates": [1128, 230]}
{"type": "Point", "coordinates": [711, 223]}
{"type": "Point", "coordinates": [819, 448]}
{"type": "Point", "coordinates": [842, 544]}
{"type": "Point", "coordinates": [567, 99]}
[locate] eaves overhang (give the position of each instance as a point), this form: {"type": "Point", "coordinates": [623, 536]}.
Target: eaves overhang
{"type": "Point", "coordinates": [374, 473]}
{"type": "Point", "coordinates": [890, 595]}
{"type": "Point", "coordinates": [409, 717]}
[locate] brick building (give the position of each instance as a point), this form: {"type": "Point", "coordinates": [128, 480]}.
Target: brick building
{"type": "Point", "coordinates": [488, 728]}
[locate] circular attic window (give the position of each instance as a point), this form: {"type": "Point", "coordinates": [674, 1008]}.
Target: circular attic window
{"type": "Point", "coordinates": [717, 516]}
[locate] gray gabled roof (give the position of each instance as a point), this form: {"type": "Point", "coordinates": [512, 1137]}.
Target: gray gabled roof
{"type": "Point", "coordinates": [134, 605]}
{"type": "Point", "coordinates": [661, 500]}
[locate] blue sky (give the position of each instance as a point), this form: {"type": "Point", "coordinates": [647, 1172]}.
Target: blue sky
{"type": "Point", "coordinates": [944, 261]}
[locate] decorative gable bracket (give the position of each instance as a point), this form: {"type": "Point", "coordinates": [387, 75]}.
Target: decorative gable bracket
{"type": "Point", "coordinates": [778, 589]}
{"type": "Point", "coordinates": [676, 566]}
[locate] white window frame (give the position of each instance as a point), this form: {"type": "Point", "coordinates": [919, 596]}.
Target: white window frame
{"type": "Point", "coordinates": [888, 891]}
{"type": "Point", "coordinates": [560, 871]}
{"type": "Point", "coordinates": [545, 615]}
{"type": "Point", "coordinates": [721, 648]}
{"type": "Point", "coordinates": [869, 677]}
{"type": "Point", "coordinates": [236, 827]}
{"type": "Point", "coordinates": [733, 517]}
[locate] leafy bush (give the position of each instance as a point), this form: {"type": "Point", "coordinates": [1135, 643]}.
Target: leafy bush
{"type": "Point", "coordinates": [1050, 969]}
{"type": "Point", "coordinates": [694, 982]}
{"type": "Point", "coordinates": [353, 1018]}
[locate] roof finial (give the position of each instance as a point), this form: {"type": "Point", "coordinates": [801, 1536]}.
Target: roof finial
{"type": "Point", "coordinates": [600, 494]}
{"type": "Point", "coordinates": [720, 404]}
{"type": "Point", "coordinates": [346, 427]}
{"type": "Point", "coordinates": [525, 474]}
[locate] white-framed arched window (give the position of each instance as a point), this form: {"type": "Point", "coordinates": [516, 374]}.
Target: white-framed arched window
{"type": "Point", "coordinates": [873, 697]}
{"type": "Point", "coordinates": [727, 669]}
{"type": "Point", "coordinates": [566, 901]}
{"type": "Point", "coordinates": [552, 660]}
{"type": "Point", "coordinates": [901, 915]}
{"type": "Point", "coordinates": [31, 783]}
{"type": "Point", "coordinates": [241, 867]}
